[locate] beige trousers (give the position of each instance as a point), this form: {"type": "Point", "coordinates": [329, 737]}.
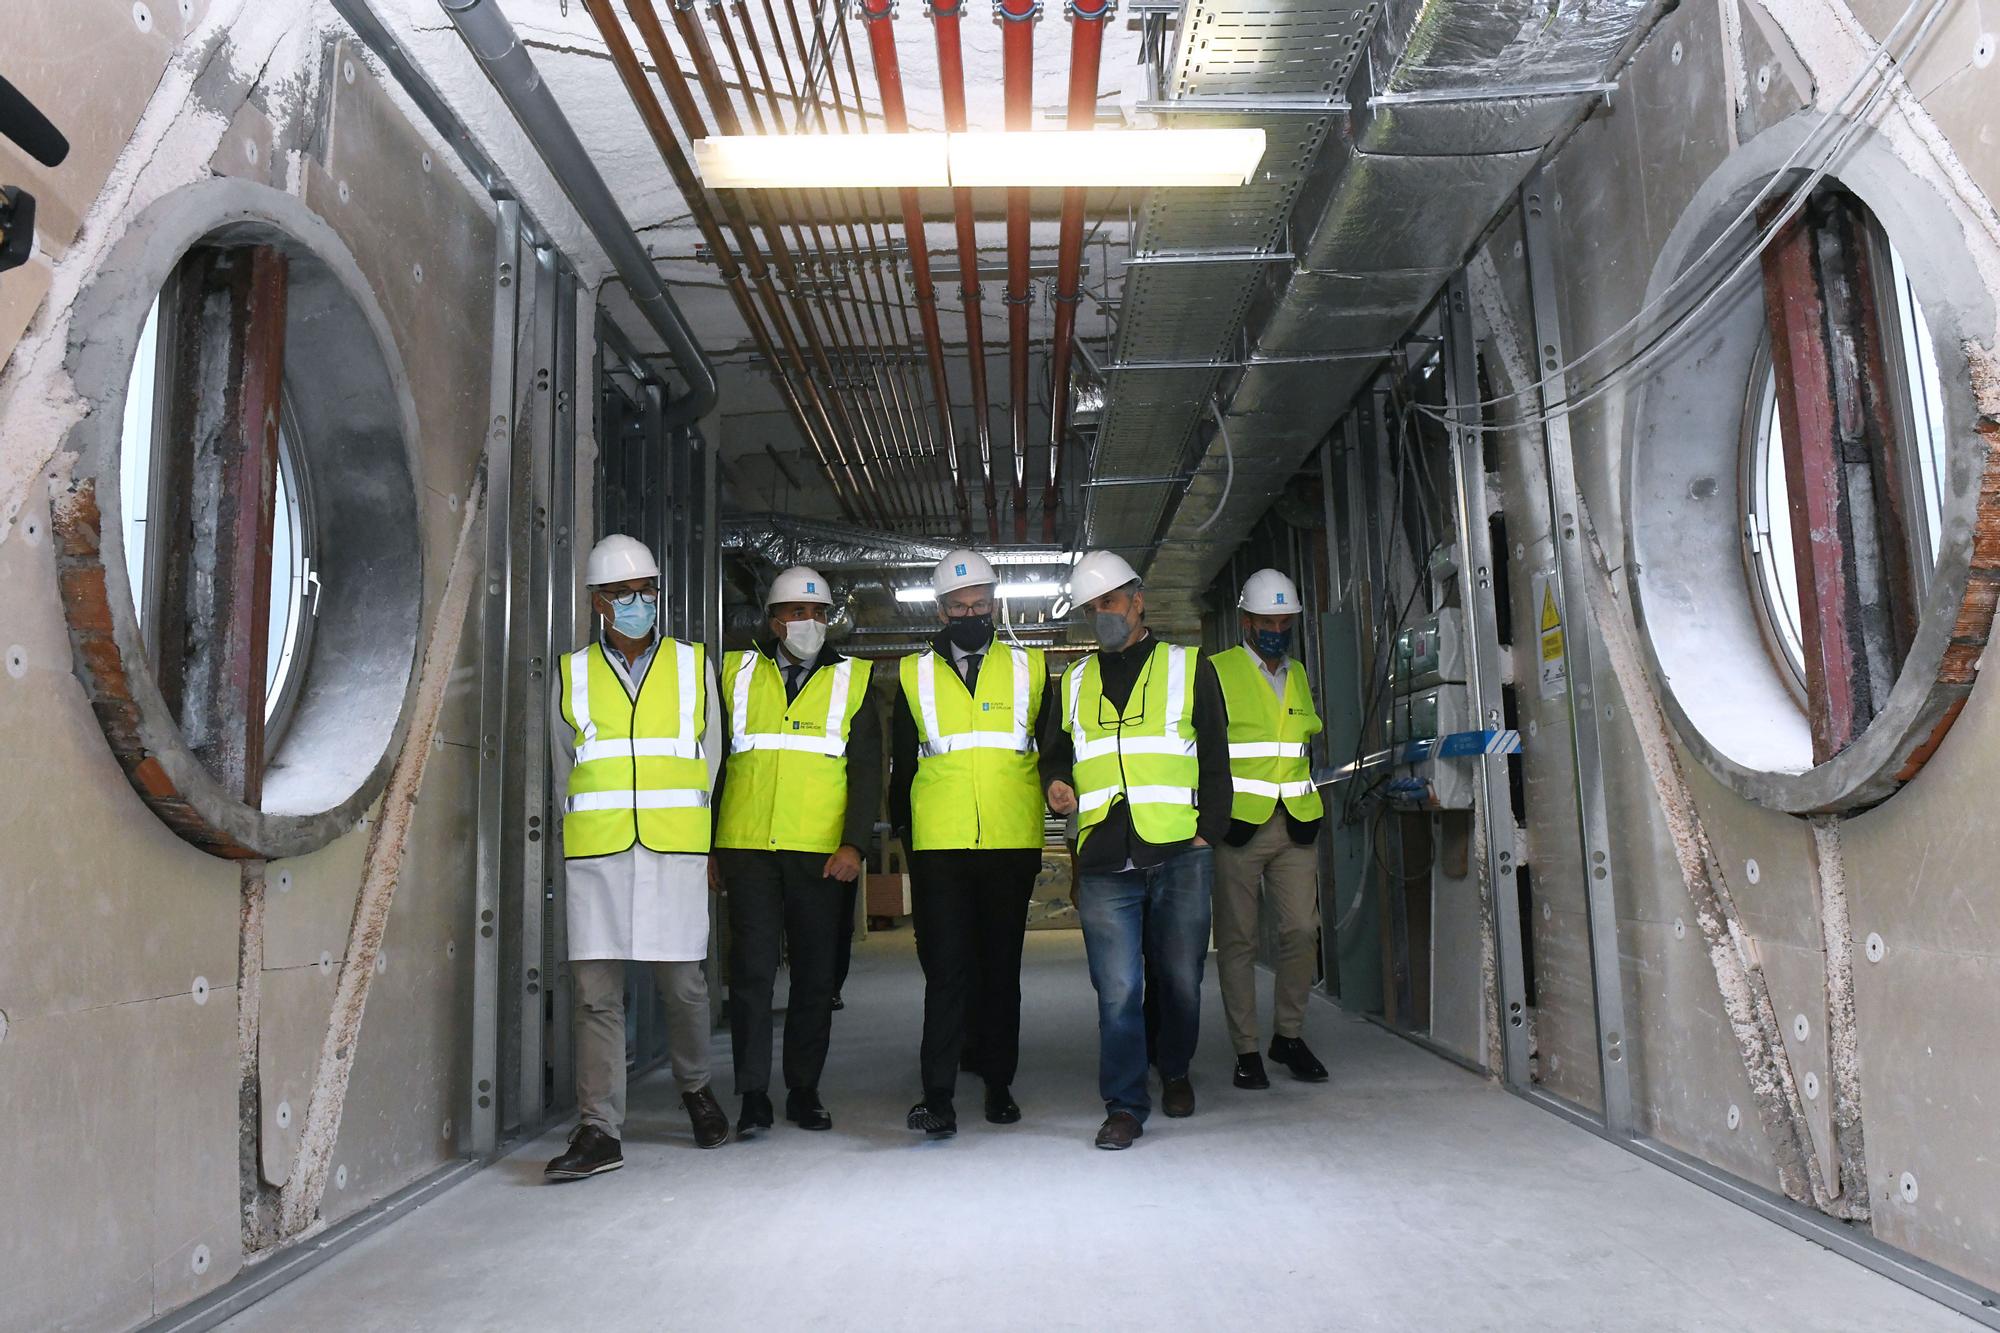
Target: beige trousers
{"type": "Point", "coordinates": [1269, 864]}
{"type": "Point", "coordinates": [600, 1033]}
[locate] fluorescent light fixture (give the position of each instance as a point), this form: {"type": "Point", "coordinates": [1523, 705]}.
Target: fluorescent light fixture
{"type": "Point", "coordinates": [1107, 159]}
{"type": "Point", "coordinates": [1103, 159]}
{"type": "Point", "coordinates": [1019, 590]}
{"type": "Point", "coordinates": [820, 161]}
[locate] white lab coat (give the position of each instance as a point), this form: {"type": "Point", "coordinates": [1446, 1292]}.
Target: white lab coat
{"type": "Point", "coordinates": [639, 904]}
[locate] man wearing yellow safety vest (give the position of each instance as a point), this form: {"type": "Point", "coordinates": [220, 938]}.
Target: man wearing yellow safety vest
{"type": "Point", "coordinates": [798, 799]}
{"type": "Point", "coordinates": [964, 795]}
{"type": "Point", "coordinates": [1275, 818]}
{"type": "Point", "coordinates": [1138, 749]}
{"type": "Point", "coordinates": [636, 753]}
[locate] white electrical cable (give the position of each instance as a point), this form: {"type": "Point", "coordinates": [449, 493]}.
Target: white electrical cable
{"type": "Point", "coordinates": [1229, 461]}
{"type": "Point", "coordinates": [1837, 141]}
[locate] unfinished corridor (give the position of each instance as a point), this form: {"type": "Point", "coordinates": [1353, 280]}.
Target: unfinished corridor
{"type": "Point", "coordinates": [1405, 1194]}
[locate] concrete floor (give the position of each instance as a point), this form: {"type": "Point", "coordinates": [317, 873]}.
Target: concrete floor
{"type": "Point", "coordinates": [1405, 1194]}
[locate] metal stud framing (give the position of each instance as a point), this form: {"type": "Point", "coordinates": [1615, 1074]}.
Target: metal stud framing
{"type": "Point", "coordinates": [1606, 975]}
{"type": "Point", "coordinates": [1475, 588]}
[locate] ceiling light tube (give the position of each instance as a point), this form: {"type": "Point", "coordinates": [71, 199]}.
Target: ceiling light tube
{"type": "Point", "coordinates": [1107, 159]}
{"type": "Point", "coordinates": [1015, 591]}
{"type": "Point", "coordinates": [1101, 159]}
{"type": "Point", "coordinates": [821, 161]}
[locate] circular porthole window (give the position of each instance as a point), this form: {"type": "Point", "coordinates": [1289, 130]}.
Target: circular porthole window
{"type": "Point", "coordinates": [1804, 478]}
{"type": "Point", "coordinates": [239, 539]}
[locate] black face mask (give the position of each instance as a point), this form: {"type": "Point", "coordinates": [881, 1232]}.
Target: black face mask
{"type": "Point", "coordinates": [970, 633]}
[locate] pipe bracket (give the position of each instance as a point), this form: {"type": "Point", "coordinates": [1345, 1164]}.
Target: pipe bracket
{"type": "Point", "coordinates": [1077, 14]}
{"type": "Point", "coordinates": [1032, 14]}
{"type": "Point", "coordinates": [951, 10]}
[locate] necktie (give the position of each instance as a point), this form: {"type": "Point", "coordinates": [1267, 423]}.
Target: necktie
{"type": "Point", "coordinates": [971, 670]}
{"type": "Point", "coordinates": [794, 679]}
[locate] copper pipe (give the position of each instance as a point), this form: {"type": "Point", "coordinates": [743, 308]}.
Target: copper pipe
{"type": "Point", "coordinates": [832, 315]}
{"type": "Point", "coordinates": [889, 78]}
{"type": "Point", "coordinates": [951, 76]}
{"type": "Point", "coordinates": [709, 74]}
{"type": "Point", "coordinates": [806, 408]}
{"type": "Point", "coordinates": [1086, 34]}
{"type": "Point", "coordinates": [1017, 23]}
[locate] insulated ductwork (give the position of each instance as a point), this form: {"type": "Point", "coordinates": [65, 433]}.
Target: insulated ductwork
{"type": "Point", "coordinates": [1453, 99]}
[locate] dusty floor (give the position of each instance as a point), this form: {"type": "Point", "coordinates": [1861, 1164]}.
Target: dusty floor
{"type": "Point", "coordinates": [1406, 1194]}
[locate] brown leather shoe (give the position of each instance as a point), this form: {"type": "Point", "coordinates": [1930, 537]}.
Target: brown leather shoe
{"type": "Point", "coordinates": [1177, 1096]}
{"type": "Point", "coordinates": [1118, 1131]}
{"type": "Point", "coordinates": [711, 1124]}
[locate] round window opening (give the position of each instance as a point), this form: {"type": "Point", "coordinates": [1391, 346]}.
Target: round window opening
{"type": "Point", "coordinates": [243, 563]}
{"type": "Point", "coordinates": [1804, 477]}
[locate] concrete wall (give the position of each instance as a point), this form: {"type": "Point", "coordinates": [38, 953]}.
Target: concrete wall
{"type": "Point", "coordinates": [1919, 868]}
{"type": "Point", "coordinates": [118, 1083]}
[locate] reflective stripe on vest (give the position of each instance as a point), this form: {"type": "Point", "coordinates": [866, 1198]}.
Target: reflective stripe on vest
{"type": "Point", "coordinates": [1145, 756]}
{"type": "Point", "coordinates": [976, 784]}
{"type": "Point", "coordinates": [786, 788]}
{"type": "Point", "coordinates": [1268, 759]}
{"type": "Point", "coordinates": [640, 774]}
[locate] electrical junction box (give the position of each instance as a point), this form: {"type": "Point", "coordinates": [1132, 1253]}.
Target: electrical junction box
{"type": "Point", "coordinates": [1434, 783]}
{"type": "Point", "coordinates": [1432, 653]}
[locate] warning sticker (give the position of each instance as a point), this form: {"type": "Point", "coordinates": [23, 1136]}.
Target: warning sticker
{"type": "Point", "coordinates": [1554, 665]}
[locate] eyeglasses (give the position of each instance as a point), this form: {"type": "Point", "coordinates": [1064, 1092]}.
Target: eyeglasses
{"type": "Point", "coordinates": [649, 597]}
{"type": "Point", "coordinates": [1116, 722]}
{"type": "Point", "coordinates": [960, 610]}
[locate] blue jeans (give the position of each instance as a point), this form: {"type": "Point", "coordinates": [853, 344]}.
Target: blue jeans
{"type": "Point", "coordinates": [1129, 918]}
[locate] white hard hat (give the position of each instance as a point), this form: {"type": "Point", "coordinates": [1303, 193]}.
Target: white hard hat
{"type": "Point", "coordinates": [618, 558]}
{"type": "Point", "coordinates": [800, 583]}
{"type": "Point", "coordinates": [1096, 574]}
{"type": "Point", "coordinates": [1269, 593]}
{"type": "Point", "coordinates": [961, 569]}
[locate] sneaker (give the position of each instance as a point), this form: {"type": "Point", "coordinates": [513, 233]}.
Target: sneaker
{"type": "Point", "coordinates": [591, 1152]}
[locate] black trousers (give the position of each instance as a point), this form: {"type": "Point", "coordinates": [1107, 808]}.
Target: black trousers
{"type": "Point", "coordinates": [844, 955]}
{"type": "Point", "coordinates": [773, 896]}
{"type": "Point", "coordinates": [971, 916]}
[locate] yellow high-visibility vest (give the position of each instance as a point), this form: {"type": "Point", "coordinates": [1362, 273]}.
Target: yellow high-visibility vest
{"type": "Point", "coordinates": [977, 785]}
{"type": "Point", "coordinates": [787, 781]}
{"type": "Point", "coordinates": [1144, 754]}
{"type": "Point", "coordinates": [640, 773]}
{"type": "Point", "coordinates": [1267, 740]}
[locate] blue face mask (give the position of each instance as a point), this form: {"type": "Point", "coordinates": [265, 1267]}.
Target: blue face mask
{"type": "Point", "coordinates": [1272, 642]}
{"type": "Point", "coordinates": [634, 613]}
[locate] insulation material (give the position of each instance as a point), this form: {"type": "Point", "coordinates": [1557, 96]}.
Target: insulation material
{"type": "Point", "coordinates": [1471, 45]}
{"type": "Point", "coordinates": [1388, 211]}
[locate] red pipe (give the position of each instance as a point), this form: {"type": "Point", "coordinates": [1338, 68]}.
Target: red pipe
{"type": "Point", "coordinates": [1017, 23]}
{"type": "Point", "coordinates": [951, 75]}
{"type": "Point", "coordinates": [879, 15]}
{"type": "Point", "coordinates": [1086, 43]}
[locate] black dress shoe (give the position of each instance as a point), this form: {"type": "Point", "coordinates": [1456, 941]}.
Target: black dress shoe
{"type": "Point", "coordinates": [1250, 1072]}
{"type": "Point", "coordinates": [803, 1109]}
{"type": "Point", "coordinates": [1294, 1055]}
{"type": "Point", "coordinates": [1000, 1105]}
{"type": "Point", "coordinates": [711, 1126]}
{"type": "Point", "coordinates": [591, 1152]}
{"type": "Point", "coordinates": [1177, 1096]}
{"type": "Point", "coordinates": [935, 1116]}
{"type": "Point", "coordinates": [756, 1114]}
{"type": "Point", "coordinates": [1118, 1131]}
{"type": "Point", "coordinates": [838, 1003]}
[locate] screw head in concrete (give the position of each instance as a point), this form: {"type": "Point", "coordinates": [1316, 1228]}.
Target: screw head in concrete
{"type": "Point", "coordinates": [1875, 948]}
{"type": "Point", "coordinates": [284, 1115]}
{"type": "Point", "coordinates": [1801, 1028]}
{"type": "Point", "coordinates": [1751, 871]}
{"type": "Point", "coordinates": [1812, 1086]}
{"type": "Point", "coordinates": [1547, 912]}
{"type": "Point", "coordinates": [446, 1133]}
{"type": "Point", "coordinates": [284, 881]}
{"type": "Point", "coordinates": [1677, 54]}
{"type": "Point", "coordinates": [1984, 49]}
{"type": "Point", "coordinates": [142, 18]}
{"type": "Point", "coordinates": [347, 70]}
{"type": "Point", "coordinates": [1680, 929]}
{"type": "Point", "coordinates": [187, 10]}
{"type": "Point", "coordinates": [381, 962]}
{"type": "Point", "coordinates": [1907, 1187]}
{"type": "Point", "coordinates": [426, 159]}
{"type": "Point", "coordinates": [417, 273]}
{"type": "Point", "coordinates": [199, 990]}
{"type": "Point", "coordinates": [340, 1177]}
{"type": "Point", "coordinates": [1763, 78]}
{"type": "Point", "coordinates": [199, 1260]}
{"type": "Point", "coordinates": [1735, 1116]}
{"type": "Point", "coordinates": [17, 661]}
{"type": "Point", "coordinates": [325, 962]}
{"type": "Point", "coordinates": [250, 152]}
{"type": "Point", "coordinates": [340, 188]}
{"type": "Point", "coordinates": [33, 529]}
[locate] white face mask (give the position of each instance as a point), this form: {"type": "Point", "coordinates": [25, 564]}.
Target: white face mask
{"type": "Point", "coordinates": [804, 638]}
